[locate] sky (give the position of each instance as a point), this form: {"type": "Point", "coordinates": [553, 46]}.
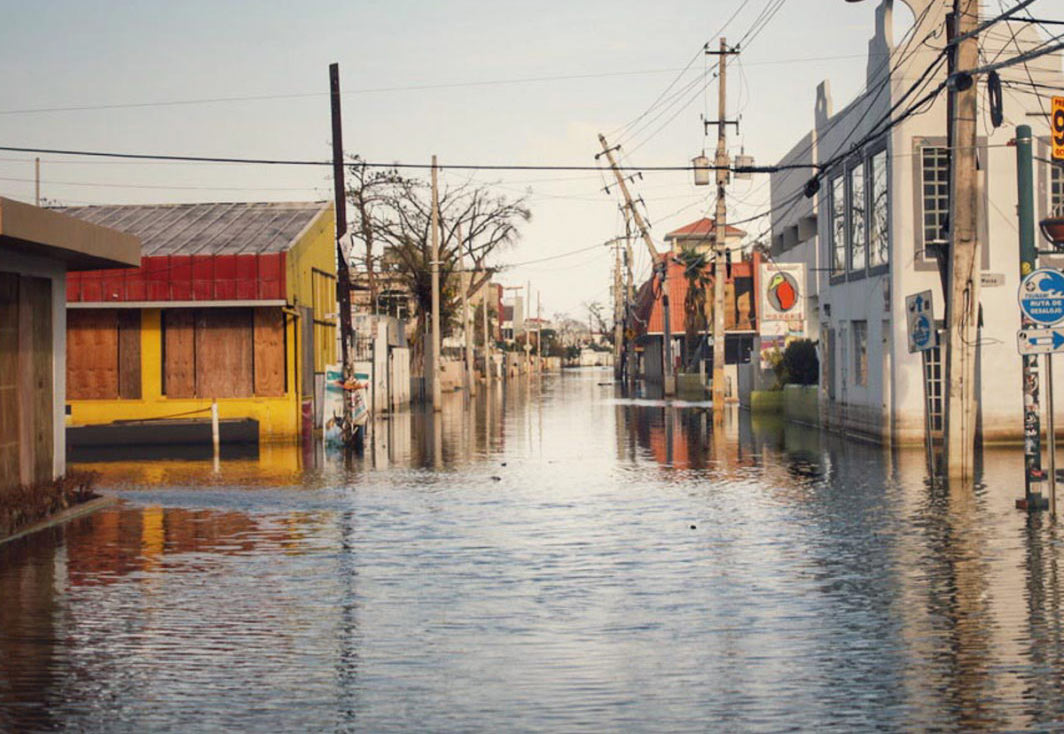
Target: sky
{"type": "Point", "coordinates": [463, 80]}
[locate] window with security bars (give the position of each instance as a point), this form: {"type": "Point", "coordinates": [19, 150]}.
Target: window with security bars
{"type": "Point", "coordinates": [858, 244]}
{"type": "Point", "coordinates": [1056, 189]}
{"type": "Point", "coordinates": [933, 380]}
{"type": "Point", "coordinates": [838, 225]}
{"type": "Point", "coordinates": [934, 175]}
{"type": "Point", "coordinates": [860, 353]}
{"type": "Point", "coordinates": [878, 220]}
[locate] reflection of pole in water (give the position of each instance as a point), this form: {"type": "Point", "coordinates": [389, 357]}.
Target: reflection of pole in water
{"type": "Point", "coordinates": [666, 418]}
{"type": "Point", "coordinates": [437, 440]}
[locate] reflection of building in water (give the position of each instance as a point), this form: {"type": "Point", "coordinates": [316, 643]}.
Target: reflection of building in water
{"type": "Point", "coordinates": [28, 609]}
{"type": "Point", "coordinates": [682, 437]}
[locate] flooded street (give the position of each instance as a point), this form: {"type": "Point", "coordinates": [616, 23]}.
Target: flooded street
{"type": "Point", "coordinates": [557, 558]}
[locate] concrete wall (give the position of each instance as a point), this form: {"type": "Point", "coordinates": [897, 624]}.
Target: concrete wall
{"type": "Point", "coordinates": [40, 267]}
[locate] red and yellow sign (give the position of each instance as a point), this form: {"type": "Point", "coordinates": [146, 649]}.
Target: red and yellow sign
{"type": "Point", "coordinates": [1056, 124]}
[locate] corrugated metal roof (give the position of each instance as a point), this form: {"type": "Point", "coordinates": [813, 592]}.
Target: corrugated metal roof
{"type": "Point", "coordinates": [206, 229]}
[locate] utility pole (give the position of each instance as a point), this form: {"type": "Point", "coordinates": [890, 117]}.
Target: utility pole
{"type": "Point", "coordinates": [37, 179]}
{"type": "Point", "coordinates": [1032, 428]}
{"type": "Point", "coordinates": [618, 325]}
{"type": "Point", "coordinates": [539, 331]}
{"type": "Point", "coordinates": [467, 325]}
{"type": "Point", "coordinates": [720, 245]}
{"type": "Point", "coordinates": [437, 398]}
{"type": "Point", "coordinates": [343, 272]}
{"type": "Point", "coordinates": [962, 310]}
{"type": "Point", "coordinates": [630, 358]}
{"type": "Point", "coordinates": [661, 267]}
{"type": "Point", "coordinates": [487, 339]}
{"type": "Point", "coordinates": [528, 332]}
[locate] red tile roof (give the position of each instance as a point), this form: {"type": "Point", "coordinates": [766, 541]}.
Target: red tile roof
{"type": "Point", "coordinates": [704, 228]}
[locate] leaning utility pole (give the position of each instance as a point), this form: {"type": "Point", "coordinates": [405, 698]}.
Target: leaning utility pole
{"type": "Point", "coordinates": [437, 398]}
{"type": "Point", "coordinates": [630, 357]}
{"type": "Point", "coordinates": [962, 310]}
{"type": "Point", "coordinates": [343, 272]}
{"type": "Point", "coordinates": [720, 244]}
{"type": "Point", "coordinates": [661, 267]}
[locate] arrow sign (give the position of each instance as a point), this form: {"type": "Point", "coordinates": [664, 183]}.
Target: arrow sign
{"type": "Point", "coordinates": [1040, 341]}
{"type": "Point", "coordinates": [923, 334]}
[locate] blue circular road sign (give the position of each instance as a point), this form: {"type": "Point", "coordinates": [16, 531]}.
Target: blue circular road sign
{"type": "Point", "coordinates": [1042, 296]}
{"type": "Point", "coordinates": [921, 331]}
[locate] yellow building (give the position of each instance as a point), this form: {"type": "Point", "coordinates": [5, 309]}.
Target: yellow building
{"type": "Point", "coordinates": [232, 302]}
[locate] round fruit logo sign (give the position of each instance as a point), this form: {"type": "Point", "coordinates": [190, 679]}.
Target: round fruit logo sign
{"type": "Point", "coordinates": [782, 292]}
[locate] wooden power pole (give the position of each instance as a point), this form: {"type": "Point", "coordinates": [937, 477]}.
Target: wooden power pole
{"type": "Point", "coordinates": [720, 243]}
{"type": "Point", "coordinates": [661, 267]}
{"type": "Point", "coordinates": [467, 323]}
{"type": "Point", "coordinates": [618, 313]}
{"type": "Point", "coordinates": [962, 310]}
{"type": "Point", "coordinates": [437, 397]}
{"type": "Point", "coordinates": [343, 272]}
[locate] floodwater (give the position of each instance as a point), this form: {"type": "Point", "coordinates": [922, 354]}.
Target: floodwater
{"type": "Point", "coordinates": [555, 559]}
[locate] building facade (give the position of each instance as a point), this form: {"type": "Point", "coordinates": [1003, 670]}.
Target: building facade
{"type": "Point", "coordinates": [870, 234]}
{"type": "Point", "coordinates": [231, 302]}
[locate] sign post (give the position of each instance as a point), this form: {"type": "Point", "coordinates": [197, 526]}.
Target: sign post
{"type": "Point", "coordinates": [1041, 298]}
{"type": "Point", "coordinates": [923, 337]}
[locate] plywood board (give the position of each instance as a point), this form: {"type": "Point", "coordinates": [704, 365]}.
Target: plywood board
{"type": "Point", "coordinates": [24, 381]}
{"type": "Point", "coordinates": [129, 353]}
{"type": "Point", "coordinates": [269, 351]}
{"type": "Point", "coordinates": [39, 297]}
{"type": "Point", "coordinates": [179, 357]}
{"type": "Point", "coordinates": [224, 352]}
{"type": "Point", "coordinates": [9, 443]}
{"type": "Point", "coordinates": [92, 354]}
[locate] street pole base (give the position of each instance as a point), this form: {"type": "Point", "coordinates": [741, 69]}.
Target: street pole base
{"type": "Point", "coordinates": [1034, 502]}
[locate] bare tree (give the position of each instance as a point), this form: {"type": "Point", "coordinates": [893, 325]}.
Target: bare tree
{"type": "Point", "coordinates": [369, 192]}
{"type": "Point", "coordinates": [396, 213]}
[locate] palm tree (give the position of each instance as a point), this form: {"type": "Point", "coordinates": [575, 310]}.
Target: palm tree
{"type": "Point", "coordinates": [696, 271]}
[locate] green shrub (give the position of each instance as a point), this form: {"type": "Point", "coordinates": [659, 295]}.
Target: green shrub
{"type": "Point", "coordinates": [801, 366]}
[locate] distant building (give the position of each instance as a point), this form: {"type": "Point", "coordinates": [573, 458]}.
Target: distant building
{"type": "Point", "coordinates": [234, 302]}
{"type": "Point", "coordinates": [739, 314]}
{"type": "Point", "coordinates": [37, 248]}
{"type": "Point", "coordinates": [868, 237]}
{"type": "Point", "coordinates": [701, 235]}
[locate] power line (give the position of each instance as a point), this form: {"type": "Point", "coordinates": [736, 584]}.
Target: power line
{"type": "Point", "coordinates": [426, 166]}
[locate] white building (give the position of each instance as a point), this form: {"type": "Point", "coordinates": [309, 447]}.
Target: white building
{"type": "Point", "coordinates": [868, 235]}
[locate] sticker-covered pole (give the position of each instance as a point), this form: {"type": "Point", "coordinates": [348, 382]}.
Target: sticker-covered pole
{"type": "Point", "coordinates": [1032, 428]}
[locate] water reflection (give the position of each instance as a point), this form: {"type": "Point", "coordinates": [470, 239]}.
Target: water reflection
{"type": "Point", "coordinates": [558, 556]}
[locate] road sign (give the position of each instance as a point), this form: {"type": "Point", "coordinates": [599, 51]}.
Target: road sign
{"type": "Point", "coordinates": [1040, 341]}
{"type": "Point", "coordinates": [1057, 126]}
{"type": "Point", "coordinates": [1042, 297]}
{"type": "Point", "coordinates": [921, 318]}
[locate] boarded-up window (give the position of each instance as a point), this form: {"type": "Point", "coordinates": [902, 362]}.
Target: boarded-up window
{"type": "Point", "coordinates": [103, 353]}
{"type": "Point", "coordinates": [269, 351]}
{"type": "Point", "coordinates": [324, 296]}
{"type": "Point", "coordinates": [223, 352]}
{"type": "Point", "coordinates": [92, 354]}
{"type": "Point", "coordinates": [179, 353]}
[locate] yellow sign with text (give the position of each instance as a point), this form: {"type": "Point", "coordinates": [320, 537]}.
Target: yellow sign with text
{"type": "Point", "coordinates": [1056, 123]}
